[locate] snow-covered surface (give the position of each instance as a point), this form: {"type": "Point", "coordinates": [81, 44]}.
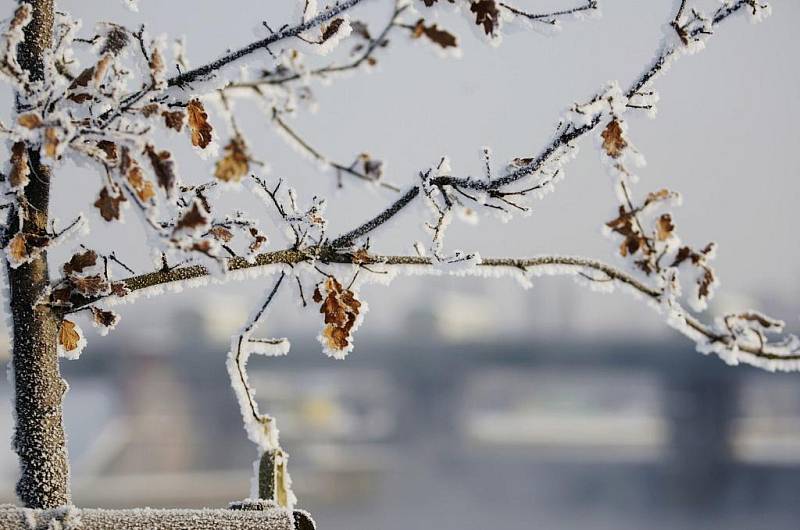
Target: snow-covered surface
{"type": "Point", "coordinates": [71, 518]}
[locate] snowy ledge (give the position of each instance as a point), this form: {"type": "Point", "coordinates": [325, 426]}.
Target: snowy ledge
{"type": "Point", "coordinates": [248, 515]}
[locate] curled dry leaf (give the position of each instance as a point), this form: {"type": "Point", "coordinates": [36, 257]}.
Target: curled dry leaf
{"type": "Point", "coordinates": [109, 204]}
{"type": "Point", "coordinates": [105, 318]}
{"type": "Point", "coordinates": [174, 119]}
{"type": "Point", "coordinates": [487, 15]}
{"type": "Point", "coordinates": [90, 286]}
{"type": "Point", "coordinates": [198, 123]}
{"type": "Point", "coordinates": [220, 233]}
{"type": "Point", "coordinates": [51, 142]}
{"type": "Point", "coordinates": [80, 261]}
{"type": "Point", "coordinates": [664, 227]}
{"type": "Point", "coordinates": [132, 172]}
{"type": "Point", "coordinates": [195, 218]}
{"type": "Point", "coordinates": [236, 163]}
{"type": "Point", "coordinates": [31, 120]}
{"type": "Point", "coordinates": [331, 29]}
{"type": "Point", "coordinates": [20, 171]}
{"type": "Point", "coordinates": [443, 38]}
{"type": "Point", "coordinates": [164, 168]}
{"type": "Point", "coordinates": [613, 141]}
{"type": "Point", "coordinates": [23, 247]}
{"type": "Point", "coordinates": [109, 148]}
{"type": "Point", "coordinates": [69, 336]}
{"type": "Point", "coordinates": [341, 309]}
{"type": "Point", "coordinates": [150, 109]}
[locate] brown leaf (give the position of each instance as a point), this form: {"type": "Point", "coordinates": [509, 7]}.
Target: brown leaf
{"type": "Point", "coordinates": [80, 98]}
{"type": "Point", "coordinates": [157, 66]}
{"type": "Point", "coordinates": [331, 29]}
{"type": "Point", "coordinates": [486, 14]}
{"type": "Point", "coordinates": [664, 227]}
{"type": "Point", "coordinates": [443, 38]}
{"type": "Point", "coordinates": [361, 256]}
{"type": "Point", "coordinates": [30, 120]}
{"type": "Point", "coordinates": [705, 283]}
{"type": "Point", "coordinates": [613, 141]}
{"type": "Point", "coordinates": [340, 308]}
{"type": "Point", "coordinates": [109, 148]}
{"type": "Point", "coordinates": [132, 172]}
{"type": "Point", "coordinates": [83, 79]}
{"type": "Point", "coordinates": [90, 286]}
{"type": "Point", "coordinates": [80, 261]}
{"type": "Point", "coordinates": [221, 233]}
{"type": "Point", "coordinates": [51, 142]}
{"type": "Point", "coordinates": [120, 289]}
{"type": "Point", "coordinates": [164, 168]}
{"type": "Point", "coordinates": [258, 240]}
{"type": "Point", "coordinates": [23, 246]}
{"type": "Point", "coordinates": [194, 218]}
{"type": "Point", "coordinates": [17, 249]}
{"type": "Point", "coordinates": [109, 205]}
{"type": "Point", "coordinates": [68, 336]}
{"type": "Point", "coordinates": [235, 164]}
{"type": "Point", "coordinates": [174, 119]}
{"type": "Point", "coordinates": [198, 122]}
{"type": "Point", "coordinates": [150, 109]}
{"type": "Point", "coordinates": [20, 171]}
{"type": "Point", "coordinates": [105, 318]}
{"type": "Point", "coordinates": [115, 40]}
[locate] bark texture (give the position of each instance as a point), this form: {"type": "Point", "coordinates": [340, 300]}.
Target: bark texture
{"type": "Point", "coordinates": [39, 389]}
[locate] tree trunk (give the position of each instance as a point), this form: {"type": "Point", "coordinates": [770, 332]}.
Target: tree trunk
{"type": "Point", "coordinates": [39, 438]}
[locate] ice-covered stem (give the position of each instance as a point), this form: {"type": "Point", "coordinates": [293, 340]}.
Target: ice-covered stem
{"type": "Point", "coordinates": [38, 387]}
{"type": "Point", "coordinates": [570, 265]}
{"type": "Point", "coordinates": [204, 71]}
{"type": "Point", "coordinates": [572, 133]}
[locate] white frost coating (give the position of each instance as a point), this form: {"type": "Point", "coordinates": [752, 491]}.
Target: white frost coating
{"type": "Point", "coordinates": [132, 5]}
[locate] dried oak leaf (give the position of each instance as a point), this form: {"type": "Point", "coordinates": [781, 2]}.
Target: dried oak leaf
{"type": "Point", "coordinates": [150, 109]}
{"type": "Point", "coordinates": [235, 164]}
{"type": "Point", "coordinates": [120, 289]}
{"type": "Point", "coordinates": [341, 309]}
{"type": "Point", "coordinates": [373, 169]}
{"type": "Point", "coordinates": [705, 283]}
{"type": "Point", "coordinates": [331, 29]}
{"type": "Point", "coordinates": [20, 171]}
{"type": "Point", "coordinates": [443, 38]}
{"type": "Point", "coordinates": [31, 120]}
{"type": "Point", "coordinates": [195, 218]}
{"type": "Point", "coordinates": [259, 240]}
{"type": "Point", "coordinates": [220, 233]}
{"type": "Point", "coordinates": [90, 286]}
{"type": "Point", "coordinates": [104, 318]}
{"type": "Point", "coordinates": [664, 227]}
{"type": "Point", "coordinates": [198, 123]}
{"type": "Point", "coordinates": [109, 205]}
{"type": "Point", "coordinates": [80, 261]}
{"type": "Point", "coordinates": [68, 336]}
{"type": "Point", "coordinates": [22, 247]}
{"type": "Point", "coordinates": [174, 119]}
{"type": "Point", "coordinates": [51, 142]}
{"type": "Point", "coordinates": [164, 168]}
{"type": "Point", "coordinates": [115, 40]}
{"type": "Point", "coordinates": [109, 148]}
{"type": "Point", "coordinates": [132, 172]}
{"type": "Point", "coordinates": [486, 14]}
{"type": "Point", "coordinates": [613, 142]}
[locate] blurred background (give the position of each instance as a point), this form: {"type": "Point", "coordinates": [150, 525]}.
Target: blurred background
{"type": "Point", "coordinates": [473, 404]}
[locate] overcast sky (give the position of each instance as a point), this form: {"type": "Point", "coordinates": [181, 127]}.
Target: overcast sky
{"type": "Point", "coordinates": [726, 137]}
